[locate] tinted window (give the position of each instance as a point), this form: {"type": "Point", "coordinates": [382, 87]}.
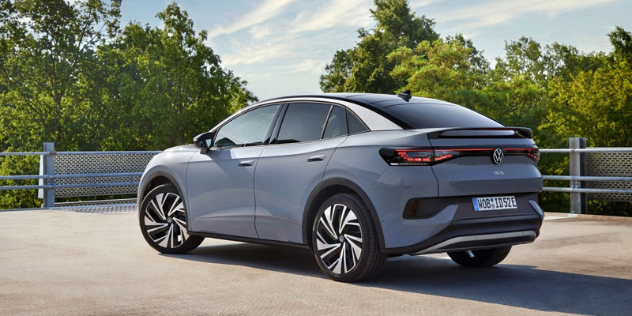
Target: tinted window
{"type": "Point", "coordinates": [248, 129]}
{"type": "Point", "coordinates": [431, 115]}
{"type": "Point", "coordinates": [303, 122]}
{"type": "Point", "coordinates": [337, 123]}
{"type": "Point", "coordinates": [355, 125]}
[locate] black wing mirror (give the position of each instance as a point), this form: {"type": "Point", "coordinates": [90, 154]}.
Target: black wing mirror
{"type": "Point", "coordinates": [204, 141]}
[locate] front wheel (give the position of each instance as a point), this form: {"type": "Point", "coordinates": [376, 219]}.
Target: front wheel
{"type": "Point", "coordinates": [345, 241]}
{"type": "Point", "coordinates": [480, 258]}
{"type": "Point", "coordinates": [163, 221]}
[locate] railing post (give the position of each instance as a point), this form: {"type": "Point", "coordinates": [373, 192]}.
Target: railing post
{"type": "Point", "coordinates": [48, 168]}
{"type": "Point", "coordinates": [575, 168]}
{"type": "Point", "coordinates": [583, 171]}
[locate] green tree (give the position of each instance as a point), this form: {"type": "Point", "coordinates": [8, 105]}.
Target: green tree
{"type": "Point", "coordinates": [595, 104]}
{"type": "Point", "coordinates": [169, 86]}
{"type": "Point", "coordinates": [451, 70]}
{"type": "Point", "coordinates": [47, 48]}
{"type": "Point", "coordinates": [365, 68]}
{"type": "Point", "coordinates": [68, 74]}
{"type": "Point", "coordinates": [622, 42]}
{"type": "Point", "coordinates": [337, 72]}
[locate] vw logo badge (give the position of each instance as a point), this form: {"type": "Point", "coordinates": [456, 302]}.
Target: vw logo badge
{"type": "Point", "coordinates": [498, 156]}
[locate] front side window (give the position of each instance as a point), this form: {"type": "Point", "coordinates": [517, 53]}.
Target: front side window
{"type": "Point", "coordinates": [248, 129]}
{"type": "Point", "coordinates": [303, 122]}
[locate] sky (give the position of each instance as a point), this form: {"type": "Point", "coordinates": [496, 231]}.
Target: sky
{"type": "Point", "coordinates": [281, 47]}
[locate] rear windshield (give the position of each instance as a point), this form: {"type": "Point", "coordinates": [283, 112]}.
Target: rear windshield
{"type": "Point", "coordinates": [439, 114]}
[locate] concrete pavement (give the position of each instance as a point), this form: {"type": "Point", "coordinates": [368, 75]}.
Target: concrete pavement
{"type": "Point", "coordinates": [67, 262]}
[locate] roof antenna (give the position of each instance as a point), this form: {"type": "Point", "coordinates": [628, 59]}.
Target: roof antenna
{"type": "Point", "coordinates": [405, 95]}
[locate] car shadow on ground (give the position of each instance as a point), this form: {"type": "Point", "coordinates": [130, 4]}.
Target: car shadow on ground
{"type": "Point", "coordinates": [511, 285]}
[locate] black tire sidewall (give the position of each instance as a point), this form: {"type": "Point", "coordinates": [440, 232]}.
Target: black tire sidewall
{"type": "Point", "coordinates": [368, 237]}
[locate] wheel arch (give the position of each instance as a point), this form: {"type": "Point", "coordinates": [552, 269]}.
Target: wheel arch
{"type": "Point", "coordinates": [327, 189]}
{"type": "Point", "coordinates": [154, 180]}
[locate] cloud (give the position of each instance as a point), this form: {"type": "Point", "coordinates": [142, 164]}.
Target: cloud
{"type": "Point", "coordinates": [502, 11]}
{"type": "Point", "coordinates": [257, 52]}
{"type": "Point", "coordinates": [291, 39]}
{"type": "Point", "coordinates": [334, 13]}
{"type": "Point", "coordinates": [266, 11]}
{"type": "Point", "coordinates": [312, 67]}
{"type": "Point", "coordinates": [259, 31]}
{"type": "Point", "coordinates": [423, 3]}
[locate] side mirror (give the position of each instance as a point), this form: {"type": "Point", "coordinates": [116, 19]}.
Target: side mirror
{"type": "Point", "coordinates": [204, 141]}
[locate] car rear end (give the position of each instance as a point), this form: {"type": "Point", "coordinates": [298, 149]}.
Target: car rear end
{"type": "Point", "coordinates": [487, 182]}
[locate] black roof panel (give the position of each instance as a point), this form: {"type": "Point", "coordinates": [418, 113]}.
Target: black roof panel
{"type": "Point", "coordinates": [418, 112]}
{"type": "Point", "coordinates": [373, 99]}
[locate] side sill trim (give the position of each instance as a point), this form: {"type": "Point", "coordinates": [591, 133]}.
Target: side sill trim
{"type": "Point", "coordinates": [251, 240]}
{"type": "Point", "coordinates": [456, 240]}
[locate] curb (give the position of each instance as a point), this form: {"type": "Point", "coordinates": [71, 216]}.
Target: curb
{"type": "Point", "coordinates": [589, 217]}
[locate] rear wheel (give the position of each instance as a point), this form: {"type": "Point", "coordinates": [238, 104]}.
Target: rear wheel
{"type": "Point", "coordinates": [345, 240]}
{"type": "Point", "coordinates": [163, 221]}
{"type": "Point", "coordinates": [480, 258]}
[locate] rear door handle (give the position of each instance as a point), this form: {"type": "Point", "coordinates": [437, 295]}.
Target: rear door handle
{"type": "Point", "coordinates": [317, 158]}
{"type": "Point", "coordinates": [246, 163]}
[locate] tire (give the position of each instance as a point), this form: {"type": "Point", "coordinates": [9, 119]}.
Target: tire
{"type": "Point", "coordinates": [163, 221]}
{"type": "Point", "coordinates": [480, 258]}
{"type": "Point", "coordinates": [345, 241]}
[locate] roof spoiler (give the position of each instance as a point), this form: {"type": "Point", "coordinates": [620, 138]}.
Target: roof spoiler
{"type": "Point", "coordinates": [482, 132]}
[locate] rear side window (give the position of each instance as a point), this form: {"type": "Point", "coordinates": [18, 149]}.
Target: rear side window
{"type": "Point", "coordinates": [439, 114]}
{"type": "Point", "coordinates": [355, 125]}
{"type": "Point", "coordinates": [337, 123]}
{"type": "Point", "coordinates": [303, 122]}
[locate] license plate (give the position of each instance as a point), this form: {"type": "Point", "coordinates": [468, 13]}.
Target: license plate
{"type": "Point", "coordinates": [494, 203]}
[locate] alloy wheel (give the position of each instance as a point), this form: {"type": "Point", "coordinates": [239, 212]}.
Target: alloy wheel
{"type": "Point", "coordinates": [165, 220]}
{"type": "Point", "coordinates": [339, 239]}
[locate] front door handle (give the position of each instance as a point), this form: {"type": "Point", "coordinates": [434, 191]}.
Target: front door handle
{"type": "Point", "coordinates": [246, 163]}
{"type": "Point", "coordinates": [317, 158]}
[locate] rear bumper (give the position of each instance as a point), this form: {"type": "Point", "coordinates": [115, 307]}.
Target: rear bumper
{"type": "Point", "coordinates": [478, 233]}
{"type": "Point", "coordinates": [475, 242]}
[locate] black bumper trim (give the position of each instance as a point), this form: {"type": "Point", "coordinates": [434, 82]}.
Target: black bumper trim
{"type": "Point", "coordinates": [476, 227]}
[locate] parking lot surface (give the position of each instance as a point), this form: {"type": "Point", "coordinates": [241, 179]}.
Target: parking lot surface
{"type": "Point", "coordinates": [95, 262]}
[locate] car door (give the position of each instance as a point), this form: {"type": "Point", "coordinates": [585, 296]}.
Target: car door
{"type": "Point", "coordinates": [220, 182]}
{"type": "Point", "coordinates": [292, 165]}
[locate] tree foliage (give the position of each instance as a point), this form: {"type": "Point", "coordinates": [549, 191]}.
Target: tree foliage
{"type": "Point", "coordinates": [594, 104]}
{"type": "Point", "coordinates": [47, 49]}
{"type": "Point", "coordinates": [448, 69]}
{"type": "Point", "coordinates": [70, 75]}
{"type": "Point", "coordinates": [365, 67]}
{"type": "Point", "coordinates": [555, 90]}
{"type": "Point", "coordinates": [169, 86]}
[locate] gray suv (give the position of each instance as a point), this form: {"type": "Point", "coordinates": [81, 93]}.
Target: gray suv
{"type": "Point", "coordinates": [354, 177]}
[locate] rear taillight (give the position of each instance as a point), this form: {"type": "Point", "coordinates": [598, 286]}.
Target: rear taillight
{"type": "Point", "coordinates": [417, 157]}
{"type": "Point", "coordinates": [533, 153]}
{"type": "Point", "coordinates": [429, 156]}
{"type": "Point", "coordinates": [414, 157]}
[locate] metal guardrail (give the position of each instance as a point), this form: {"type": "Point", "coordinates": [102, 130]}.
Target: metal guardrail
{"type": "Point", "coordinates": [575, 179]}
{"type": "Point", "coordinates": [577, 166]}
{"type": "Point", "coordinates": [588, 150]}
{"type": "Point", "coordinates": [48, 176]}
